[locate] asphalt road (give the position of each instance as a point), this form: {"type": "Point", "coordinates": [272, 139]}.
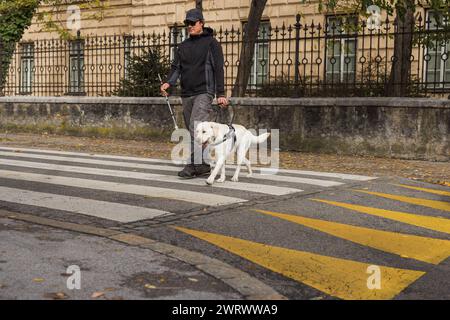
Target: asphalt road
{"type": "Point", "coordinates": [35, 262]}
{"type": "Point", "coordinates": [308, 235]}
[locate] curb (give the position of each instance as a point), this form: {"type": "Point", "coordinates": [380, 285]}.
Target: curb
{"type": "Point", "coordinates": [249, 287]}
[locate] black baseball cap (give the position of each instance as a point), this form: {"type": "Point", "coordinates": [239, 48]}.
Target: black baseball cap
{"type": "Point", "coordinates": [194, 15]}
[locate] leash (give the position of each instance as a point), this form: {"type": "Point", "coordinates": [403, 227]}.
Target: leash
{"type": "Point", "coordinates": [231, 134]}
{"type": "Point", "coordinates": [230, 109]}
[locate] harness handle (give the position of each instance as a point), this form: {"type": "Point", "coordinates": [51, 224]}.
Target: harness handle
{"type": "Point", "coordinates": [231, 113]}
{"type": "Point", "coordinates": [231, 134]}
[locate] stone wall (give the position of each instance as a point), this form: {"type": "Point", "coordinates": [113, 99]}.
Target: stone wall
{"type": "Point", "coordinates": [391, 127]}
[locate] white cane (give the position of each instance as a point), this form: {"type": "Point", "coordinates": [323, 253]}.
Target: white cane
{"type": "Point", "coordinates": [168, 104]}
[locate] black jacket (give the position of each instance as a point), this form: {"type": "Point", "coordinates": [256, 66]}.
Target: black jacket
{"type": "Point", "coordinates": [198, 62]}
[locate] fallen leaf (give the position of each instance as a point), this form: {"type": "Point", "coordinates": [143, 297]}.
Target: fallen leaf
{"type": "Point", "coordinates": [193, 279]}
{"type": "Point", "coordinates": [56, 296]}
{"type": "Point", "coordinates": [97, 294]}
{"type": "Point", "coordinates": [110, 289]}
{"type": "Point", "coordinates": [149, 286]}
{"type": "Point", "coordinates": [39, 280]}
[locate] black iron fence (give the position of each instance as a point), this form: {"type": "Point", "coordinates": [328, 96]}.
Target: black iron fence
{"type": "Point", "coordinates": [341, 56]}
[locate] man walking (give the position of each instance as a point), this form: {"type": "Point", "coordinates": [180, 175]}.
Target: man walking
{"type": "Point", "coordinates": [198, 62]}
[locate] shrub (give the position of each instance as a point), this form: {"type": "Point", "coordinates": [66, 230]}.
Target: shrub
{"type": "Point", "coordinates": [142, 75]}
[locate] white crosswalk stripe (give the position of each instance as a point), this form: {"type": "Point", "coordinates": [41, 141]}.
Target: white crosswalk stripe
{"type": "Point", "coordinates": [100, 209]}
{"type": "Point", "coordinates": [324, 174]}
{"type": "Point", "coordinates": [242, 186]}
{"type": "Point", "coordinates": [154, 192]}
{"type": "Point", "coordinates": [149, 160]}
{"type": "Point", "coordinates": [93, 167]}
{"type": "Point", "coordinates": [91, 155]}
{"type": "Point", "coordinates": [272, 177]}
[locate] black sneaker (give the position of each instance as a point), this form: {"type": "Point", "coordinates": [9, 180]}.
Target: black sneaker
{"type": "Point", "coordinates": [202, 169]}
{"type": "Point", "coordinates": [188, 172]}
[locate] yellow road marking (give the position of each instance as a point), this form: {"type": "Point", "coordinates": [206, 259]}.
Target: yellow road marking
{"type": "Point", "coordinates": [440, 192]}
{"type": "Point", "coordinates": [342, 278]}
{"type": "Point", "coordinates": [440, 205]}
{"type": "Point", "coordinates": [408, 246]}
{"type": "Point", "coordinates": [433, 223]}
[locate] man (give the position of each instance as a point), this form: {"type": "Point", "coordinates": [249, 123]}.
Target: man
{"type": "Point", "coordinates": [198, 62]}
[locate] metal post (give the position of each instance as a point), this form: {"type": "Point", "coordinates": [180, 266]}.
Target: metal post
{"type": "Point", "coordinates": [79, 61]}
{"type": "Point", "coordinates": [297, 54]}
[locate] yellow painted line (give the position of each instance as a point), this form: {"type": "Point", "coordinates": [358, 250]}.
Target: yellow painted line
{"type": "Point", "coordinates": [440, 192]}
{"type": "Point", "coordinates": [440, 205]}
{"type": "Point", "coordinates": [341, 278]}
{"type": "Point", "coordinates": [433, 223]}
{"type": "Point", "coordinates": [405, 245]}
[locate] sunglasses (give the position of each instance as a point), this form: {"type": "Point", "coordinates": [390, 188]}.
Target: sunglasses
{"type": "Point", "coordinates": [190, 23]}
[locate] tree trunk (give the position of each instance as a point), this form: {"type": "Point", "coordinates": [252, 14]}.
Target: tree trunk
{"type": "Point", "coordinates": [1, 66]}
{"type": "Point", "coordinates": [199, 4]}
{"type": "Point", "coordinates": [399, 78]}
{"type": "Point", "coordinates": [248, 47]}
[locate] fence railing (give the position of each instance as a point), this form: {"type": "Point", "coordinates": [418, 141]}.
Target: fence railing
{"type": "Point", "coordinates": [342, 56]}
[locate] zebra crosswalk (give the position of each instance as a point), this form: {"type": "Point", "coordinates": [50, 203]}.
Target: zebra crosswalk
{"type": "Point", "coordinates": [323, 230]}
{"type": "Point", "coordinates": [98, 185]}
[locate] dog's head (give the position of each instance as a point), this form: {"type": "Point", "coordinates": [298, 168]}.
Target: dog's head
{"type": "Point", "coordinates": [206, 132]}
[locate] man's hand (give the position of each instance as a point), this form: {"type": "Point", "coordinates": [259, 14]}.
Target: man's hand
{"type": "Point", "coordinates": [222, 102]}
{"type": "Point", "coordinates": [164, 87]}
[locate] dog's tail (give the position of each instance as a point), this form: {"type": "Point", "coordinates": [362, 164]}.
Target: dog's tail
{"type": "Point", "coordinates": [261, 138]}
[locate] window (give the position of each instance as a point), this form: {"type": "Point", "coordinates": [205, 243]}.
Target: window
{"type": "Point", "coordinates": [76, 67]}
{"type": "Point", "coordinates": [260, 65]}
{"type": "Point", "coordinates": [340, 49]}
{"type": "Point", "coordinates": [437, 57]}
{"type": "Point", "coordinates": [127, 41]}
{"type": "Point", "coordinates": [26, 68]}
{"type": "Point", "coordinates": [177, 35]}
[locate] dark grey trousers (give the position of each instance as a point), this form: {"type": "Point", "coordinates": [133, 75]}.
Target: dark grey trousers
{"type": "Point", "coordinates": [197, 109]}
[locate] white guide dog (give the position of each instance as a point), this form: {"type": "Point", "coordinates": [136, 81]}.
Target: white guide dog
{"type": "Point", "coordinates": [221, 138]}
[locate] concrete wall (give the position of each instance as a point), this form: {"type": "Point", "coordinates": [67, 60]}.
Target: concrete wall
{"type": "Point", "coordinates": [391, 127]}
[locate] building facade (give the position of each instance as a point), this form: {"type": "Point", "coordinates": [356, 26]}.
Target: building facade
{"type": "Point", "coordinates": [330, 55]}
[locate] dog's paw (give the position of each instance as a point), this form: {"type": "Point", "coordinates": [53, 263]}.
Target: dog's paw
{"type": "Point", "coordinates": [235, 179]}
{"type": "Point", "coordinates": [249, 175]}
{"type": "Point", "coordinates": [221, 180]}
{"type": "Point", "coordinates": [209, 181]}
